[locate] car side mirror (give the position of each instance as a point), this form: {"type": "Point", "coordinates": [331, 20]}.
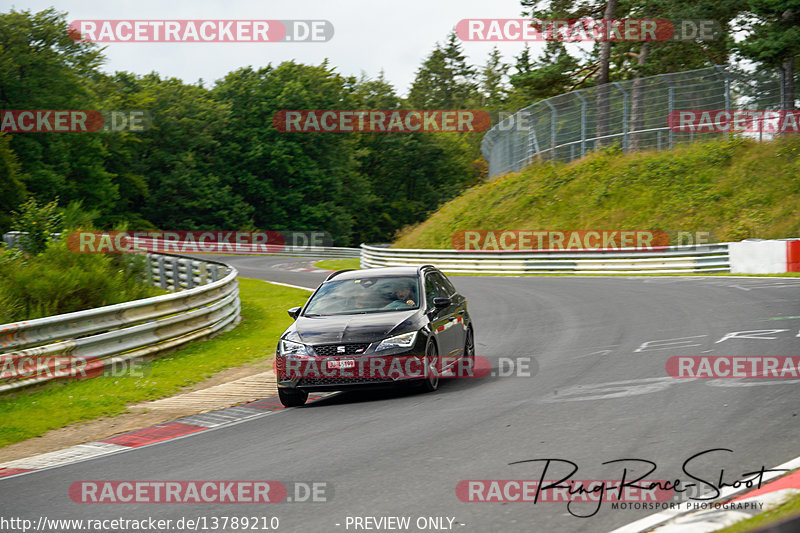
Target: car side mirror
{"type": "Point", "coordinates": [441, 303]}
{"type": "Point", "coordinates": [294, 312]}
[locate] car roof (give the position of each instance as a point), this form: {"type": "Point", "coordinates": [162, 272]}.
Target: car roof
{"type": "Point", "coordinates": [382, 272]}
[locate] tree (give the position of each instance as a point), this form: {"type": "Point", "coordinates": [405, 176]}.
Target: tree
{"type": "Point", "coordinates": [445, 80]}
{"type": "Point", "coordinates": [42, 68]}
{"type": "Point", "coordinates": [551, 74]}
{"type": "Point", "coordinates": [12, 190]}
{"type": "Point", "coordinates": [293, 180]}
{"type": "Point", "coordinates": [774, 40]}
{"type": "Point", "coordinates": [493, 81]}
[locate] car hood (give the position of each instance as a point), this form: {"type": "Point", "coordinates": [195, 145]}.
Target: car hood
{"type": "Point", "coordinates": [369, 327]}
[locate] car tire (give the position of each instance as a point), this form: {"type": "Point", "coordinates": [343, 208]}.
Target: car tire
{"type": "Point", "coordinates": [469, 351]}
{"type": "Point", "coordinates": [431, 381]}
{"type": "Point", "coordinates": [292, 398]}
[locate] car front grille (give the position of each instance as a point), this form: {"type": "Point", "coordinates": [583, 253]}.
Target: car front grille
{"type": "Point", "coordinates": [331, 350]}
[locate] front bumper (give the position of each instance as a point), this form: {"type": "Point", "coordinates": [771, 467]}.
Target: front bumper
{"type": "Point", "coordinates": [372, 369]}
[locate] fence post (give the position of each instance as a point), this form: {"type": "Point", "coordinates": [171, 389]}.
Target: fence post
{"type": "Point", "coordinates": [532, 128]}
{"type": "Point", "coordinates": [727, 77]}
{"type": "Point", "coordinates": [579, 94]}
{"type": "Point", "coordinates": [553, 119]}
{"type": "Point", "coordinates": [670, 106]}
{"type": "Point", "coordinates": [624, 115]}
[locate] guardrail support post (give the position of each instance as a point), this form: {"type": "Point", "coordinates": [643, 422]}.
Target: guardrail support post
{"type": "Point", "coordinates": [203, 272]}
{"type": "Point", "coordinates": [162, 272]}
{"type": "Point", "coordinates": [189, 274]}
{"type": "Point", "coordinates": [176, 275]}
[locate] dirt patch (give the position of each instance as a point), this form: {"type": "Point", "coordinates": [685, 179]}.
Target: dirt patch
{"type": "Point", "coordinates": [103, 428]}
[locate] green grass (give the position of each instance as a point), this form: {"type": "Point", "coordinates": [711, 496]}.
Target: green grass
{"type": "Point", "coordinates": [786, 510]}
{"type": "Point", "coordinates": [735, 188]}
{"type": "Point", "coordinates": [339, 264]}
{"type": "Point", "coordinates": [29, 413]}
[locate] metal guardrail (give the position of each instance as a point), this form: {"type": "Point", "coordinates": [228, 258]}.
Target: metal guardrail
{"type": "Point", "coordinates": [317, 251]}
{"type": "Point", "coordinates": [672, 259]}
{"type": "Point", "coordinates": [334, 252]}
{"type": "Point", "coordinates": [331, 252]}
{"type": "Point", "coordinates": [206, 302]}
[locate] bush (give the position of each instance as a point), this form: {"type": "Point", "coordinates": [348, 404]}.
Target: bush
{"type": "Point", "coordinates": [38, 224]}
{"type": "Point", "coordinates": [60, 281]}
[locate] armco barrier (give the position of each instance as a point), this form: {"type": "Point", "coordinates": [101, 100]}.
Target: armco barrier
{"type": "Point", "coordinates": [672, 259]}
{"type": "Point", "coordinates": [206, 302]}
{"type": "Point", "coordinates": [333, 252]}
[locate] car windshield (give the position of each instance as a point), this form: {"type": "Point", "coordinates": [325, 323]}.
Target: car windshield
{"type": "Point", "coordinates": [366, 295]}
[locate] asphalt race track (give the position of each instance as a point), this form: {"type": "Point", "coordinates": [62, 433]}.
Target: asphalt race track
{"type": "Point", "coordinates": [598, 392]}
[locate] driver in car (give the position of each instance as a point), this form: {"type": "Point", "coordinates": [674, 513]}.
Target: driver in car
{"type": "Point", "coordinates": [402, 293]}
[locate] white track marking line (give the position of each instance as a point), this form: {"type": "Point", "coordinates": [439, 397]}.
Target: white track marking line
{"type": "Point", "coordinates": [290, 285]}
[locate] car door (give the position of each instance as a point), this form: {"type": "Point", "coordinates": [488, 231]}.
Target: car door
{"type": "Point", "coordinates": [459, 314]}
{"type": "Point", "coordinates": [442, 320]}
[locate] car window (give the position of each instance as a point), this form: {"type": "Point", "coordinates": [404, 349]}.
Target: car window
{"type": "Point", "coordinates": [445, 283]}
{"type": "Point", "coordinates": [366, 295]}
{"type": "Point", "coordinates": [434, 288]}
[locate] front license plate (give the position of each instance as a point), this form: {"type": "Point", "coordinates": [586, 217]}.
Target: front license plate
{"type": "Point", "coordinates": [341, 363]}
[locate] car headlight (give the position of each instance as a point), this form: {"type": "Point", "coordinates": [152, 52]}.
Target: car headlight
{"type": "Point", "coordinates": [294, 349]}
{"type": "Point", "coordinates": [406, 340]}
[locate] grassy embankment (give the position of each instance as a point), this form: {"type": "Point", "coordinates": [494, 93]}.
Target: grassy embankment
{"type": "Point", "coordinates": [736, 189]}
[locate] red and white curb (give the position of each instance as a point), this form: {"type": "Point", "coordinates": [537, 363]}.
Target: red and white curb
{"type": "Point", "coordinates": [167, 431]}
{"type": "Point", "coordinates": [300, 266]}
{"type": "Point", "coordinates": [733, 505]}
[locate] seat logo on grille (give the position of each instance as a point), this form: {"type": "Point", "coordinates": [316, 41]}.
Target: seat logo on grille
{"type": "Point", "coordinates": [340, 349]}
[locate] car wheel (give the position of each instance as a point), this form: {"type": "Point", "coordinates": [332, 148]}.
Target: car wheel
{"type": "Point", "coordinates": [292, 398]}
{"type": "Point", "coordinates": [431, 381]}
{"type": "Point", "coordinates": [469, 345]}
{"type": "Point", "coordinates": [467, 364]}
